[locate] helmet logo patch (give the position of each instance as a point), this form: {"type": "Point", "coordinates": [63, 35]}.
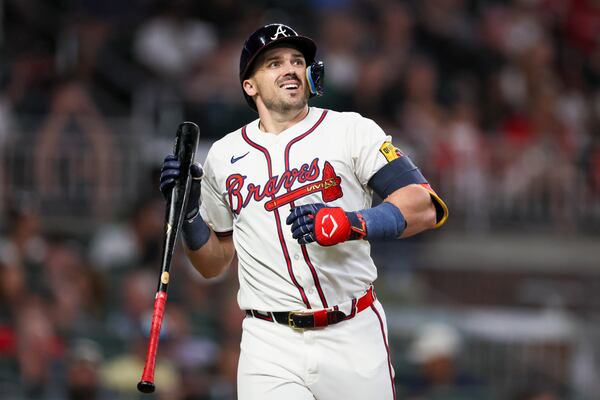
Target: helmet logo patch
{"type": "Point", "coordinates": [280, 31]}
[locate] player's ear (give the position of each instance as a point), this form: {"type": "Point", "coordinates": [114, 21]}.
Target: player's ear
{"type": "Point", "coordinates": [249, 87]}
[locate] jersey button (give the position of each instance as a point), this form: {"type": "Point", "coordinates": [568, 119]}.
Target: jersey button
{"type": "Point", "coordinates": [296, 257]}
{"type": "Point", "coordinates": [311, 290]}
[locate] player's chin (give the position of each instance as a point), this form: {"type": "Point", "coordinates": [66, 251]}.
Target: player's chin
{"type": "Point", "coordinates": [296, 99]}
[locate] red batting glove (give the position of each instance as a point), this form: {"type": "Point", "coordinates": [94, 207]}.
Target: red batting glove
{"type": "Point", "coordinates": [327, 226]}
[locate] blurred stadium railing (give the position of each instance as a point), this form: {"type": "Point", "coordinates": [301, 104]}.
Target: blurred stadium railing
{"type": "Point", "coordinates": [77, 180]}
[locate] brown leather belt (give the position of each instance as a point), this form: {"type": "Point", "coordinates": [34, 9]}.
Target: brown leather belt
{"type": "Point", "coordinates": [315, 319]}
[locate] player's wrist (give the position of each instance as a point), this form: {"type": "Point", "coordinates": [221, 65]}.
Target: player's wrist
{"type": "Point", "coordinates": [195, 232]}
{"type": "Point", "coordinates": [383, 222]}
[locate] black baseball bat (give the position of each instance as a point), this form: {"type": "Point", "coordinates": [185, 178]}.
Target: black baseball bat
{"type": "Point", "coordinates": [186, 142]}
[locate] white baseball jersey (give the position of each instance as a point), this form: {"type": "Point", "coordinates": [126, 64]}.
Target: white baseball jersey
{"type": "Point", "coordinates": [253, 179]}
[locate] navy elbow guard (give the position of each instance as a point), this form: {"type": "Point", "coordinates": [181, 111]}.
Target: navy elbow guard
{"type": "Point", "coordinates": [399, 172]}
{"type": "Point", "coordinates": [395, 175]}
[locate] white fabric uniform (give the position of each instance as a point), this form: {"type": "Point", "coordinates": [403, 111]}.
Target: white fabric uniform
{"type": "Point", "coordinates": [246, 170]}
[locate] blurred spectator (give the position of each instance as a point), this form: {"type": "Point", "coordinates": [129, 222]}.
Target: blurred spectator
{"type": "Point", "coordinates": [537, 394]}
{"type": "Point", "coordinates": [60, 142]}
{"type": "Point", "coordinates": [24, 237]}
{"type": "Point", "coordinates": [341, 36]}
{"type": "Point", "coordinates": [84, 381]}
{"type": "Point", "coordinates": [435, 353]}
{"type": "Point", "coordinates": [132, 310]}
{"type": "Point", "coordinates": [38, 348]}
{"type": "Point", "coordinates": [77, 292]}
{"type": "Point", "coordinates": [170, 43]}
{"type": "Point", "coordinates": [13, 293]}
{"type": "Point", "coordinates": [122, 372]}
{"type": "Point", "coordinates": [195, 357]}
{"type": "Point", "coordinates": [421, 116]}
{"type": "Point", "coordinates": [135, 243]}
{"type": "Point", "coordinates": [129, 323]}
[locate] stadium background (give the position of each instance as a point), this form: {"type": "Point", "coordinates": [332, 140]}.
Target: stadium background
{"type": "Point", "coordinates": [497, 101]}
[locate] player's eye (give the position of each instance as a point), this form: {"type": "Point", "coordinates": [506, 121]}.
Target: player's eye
{"type": "Point", "coordinates": [273, 64]}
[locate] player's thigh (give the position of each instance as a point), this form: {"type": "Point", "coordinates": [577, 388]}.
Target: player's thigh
{"type": "Point", "coordinates": [261, 379]}
{"type": "Point", "coordinates": [271, 363]}
{"type": "Point", "coordinates": [355, 362]}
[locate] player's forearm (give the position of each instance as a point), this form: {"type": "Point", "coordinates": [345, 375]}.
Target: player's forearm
{"type": "Point", "coordinates": [213, 257]}
{"type": "Point", "coordinates": [414, 201]}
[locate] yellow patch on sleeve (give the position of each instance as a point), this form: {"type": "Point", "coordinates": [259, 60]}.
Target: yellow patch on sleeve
{"type": "Point", "coordinates": [389, 151]}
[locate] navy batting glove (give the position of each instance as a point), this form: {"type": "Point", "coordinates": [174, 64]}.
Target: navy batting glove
{"type": "Point", "coordinates": [168, 174]}
{"type": "Point", "coordinates": [302, 220]}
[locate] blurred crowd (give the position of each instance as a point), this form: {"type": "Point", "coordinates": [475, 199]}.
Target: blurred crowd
{"type": "Point", "coordinates": [498, 101]}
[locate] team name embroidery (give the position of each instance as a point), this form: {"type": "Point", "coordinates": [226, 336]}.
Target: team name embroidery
{"type": "Point", "coordinates": [235, 184]}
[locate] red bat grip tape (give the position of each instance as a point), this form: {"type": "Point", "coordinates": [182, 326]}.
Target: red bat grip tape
{"type": "Point", "coordinates": [157, 318]}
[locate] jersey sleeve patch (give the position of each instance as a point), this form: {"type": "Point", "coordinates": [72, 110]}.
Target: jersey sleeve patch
{"type": "Point", "coordinates": [390, 152]}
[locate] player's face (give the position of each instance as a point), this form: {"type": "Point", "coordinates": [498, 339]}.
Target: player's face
{"type": "Point", "coordinates": [280, 80]}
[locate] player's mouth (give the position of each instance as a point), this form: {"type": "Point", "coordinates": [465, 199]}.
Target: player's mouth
{"type": "Point", "coordinates": [290, 85]}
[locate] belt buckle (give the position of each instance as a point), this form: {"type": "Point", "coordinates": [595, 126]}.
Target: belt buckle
{"type": "Point", "coordinates": [291, 315]}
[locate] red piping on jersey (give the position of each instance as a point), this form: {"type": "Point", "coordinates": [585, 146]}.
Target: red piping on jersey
{"type": "Point", "coordinates": [311, 267]}
{"type": "Point", "coordinates": [286, 254]}
{"type": "Point", "coordinates": [387, 348]}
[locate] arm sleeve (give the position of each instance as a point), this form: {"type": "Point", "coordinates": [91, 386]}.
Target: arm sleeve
{"type": "Point", "coordinates": [214, 208]}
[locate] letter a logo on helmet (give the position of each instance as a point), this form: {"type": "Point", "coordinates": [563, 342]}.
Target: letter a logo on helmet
{"type": "Point", "coordinates": [274, 34]}
{"type": "Point", "coordinates": [280, 31]}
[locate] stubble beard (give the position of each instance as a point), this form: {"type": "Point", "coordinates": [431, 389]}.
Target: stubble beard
{"type": "Point", "coordinates": [284, 106]}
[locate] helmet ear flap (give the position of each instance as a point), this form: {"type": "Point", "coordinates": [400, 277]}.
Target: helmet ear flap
{"type": "Point", "coordinates": [315, 75]}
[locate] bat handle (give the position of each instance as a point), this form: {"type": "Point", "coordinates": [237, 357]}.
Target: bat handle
{"type": "Point", "coordinates": [146, 385]}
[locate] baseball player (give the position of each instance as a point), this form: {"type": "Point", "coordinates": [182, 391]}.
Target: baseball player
{"type": "Point", "coordinates": [290, 193]}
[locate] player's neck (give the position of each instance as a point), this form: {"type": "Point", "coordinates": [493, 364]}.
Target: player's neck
{"type": "Point", "coordinates": [277, 123]}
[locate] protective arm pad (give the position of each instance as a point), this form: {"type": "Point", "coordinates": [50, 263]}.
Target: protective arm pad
{"type": "Point", "coordinates": [395, 175]}
{"type": "Point", "coordinates": [402, 172]}
{"type": "Point", "coordinates": [383, 222]}
{"type": "Point", "coordinates": [195, 232]}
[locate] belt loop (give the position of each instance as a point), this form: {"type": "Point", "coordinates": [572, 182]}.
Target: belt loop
{"type": "Point", "coordinates": [321, 318]}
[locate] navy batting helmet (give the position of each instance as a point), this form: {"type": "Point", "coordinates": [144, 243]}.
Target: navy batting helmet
{"type": "Point", "coordinates": [275, 34]}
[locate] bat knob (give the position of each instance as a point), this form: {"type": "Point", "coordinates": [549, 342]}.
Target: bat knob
{"type": "Point", "coordinates": [146, 387]}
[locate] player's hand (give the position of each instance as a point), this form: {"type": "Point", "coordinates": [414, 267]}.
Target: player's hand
{"type": "Point", "coordinates": [325, 225]}
{"type": "Point", "coordinates": [169, 174]}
